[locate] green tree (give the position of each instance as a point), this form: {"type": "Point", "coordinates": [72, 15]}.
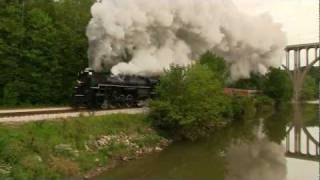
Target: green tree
{"type": "Point", "coordinates": [216, 64]}
{"type": "Point", "coordinates": [190, 102]}
{"type": "Point", "coordinates": [254, 82]}
{"type": "Point", "coordinates": [278, 85]}
{"type": "Point", "coordinates": [42, 46]}
{"type": "Point", "coordinates": [309, 89]}
{"type": "Point", "coordinates": [11, 36]}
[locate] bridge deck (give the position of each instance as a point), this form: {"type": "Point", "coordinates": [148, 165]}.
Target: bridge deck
{"type": "Point", "coordinates": [302, 46]}
{"type": "Point", "coordinates": [303, 156]}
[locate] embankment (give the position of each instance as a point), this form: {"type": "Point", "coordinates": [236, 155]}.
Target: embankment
{"type": "Point", "coordinates": [74, 147]}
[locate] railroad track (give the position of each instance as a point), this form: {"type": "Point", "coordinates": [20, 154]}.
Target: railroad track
{"type": "Point", "coordinates": [26, 115]}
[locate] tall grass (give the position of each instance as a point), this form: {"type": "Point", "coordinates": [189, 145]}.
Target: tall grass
{"type": "Point", "coordinates": [29, 151]}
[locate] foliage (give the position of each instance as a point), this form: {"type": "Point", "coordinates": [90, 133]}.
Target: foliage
{"type": "Point", "coordinates": [278, 85]}
{"type": "Point", "coordinates": [262, 102]}
{"type": "Point", "coordinates": [255, 81]}
{"type": "Point", "coordinates": [42, 47]}
{"type": "Point", "coordinates": [275, 126]}
{"type": "Point", "coordinates": [243, 107]}
{"type": "Point", "coordinates": [216, 64]}
{"type": "Point", "coordinates": [315, 73]}
{"type": "Point", "coordinates": [29, 151]}
{"type": "Point", "coordinates": [310, 88]}
{"type": "Point", "coordinates": [310, 115]}
{"type": "Point", "coordinates": [190, 102]}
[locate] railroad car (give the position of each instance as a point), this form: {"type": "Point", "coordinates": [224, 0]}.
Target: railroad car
{"type": "Point", "coordinates": [104, 90]}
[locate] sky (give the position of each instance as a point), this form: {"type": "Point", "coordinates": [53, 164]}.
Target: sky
{"type": "Point", "coordinates": [299, 17]}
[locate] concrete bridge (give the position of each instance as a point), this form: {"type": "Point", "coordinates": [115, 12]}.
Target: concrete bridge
{"type": "Point", "coordinates": [310, 142]}
{"type": "Point", "coordinates": [311, 145]}
{"type": "Point", "coordinates": [299, 70]}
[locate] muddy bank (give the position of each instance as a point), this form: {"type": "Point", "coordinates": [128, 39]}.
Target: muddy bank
{"type": "Point", "coordinates": [122, 159]}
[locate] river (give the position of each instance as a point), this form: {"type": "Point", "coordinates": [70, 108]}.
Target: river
{"type": "Point", "coordinates": [259, 148]}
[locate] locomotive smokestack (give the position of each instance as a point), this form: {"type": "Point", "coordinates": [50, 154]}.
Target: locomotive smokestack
{"type": "Point", "coordinates": [160, 33]}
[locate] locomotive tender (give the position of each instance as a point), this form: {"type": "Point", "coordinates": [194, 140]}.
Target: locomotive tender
{"type": "Point", "coordinates": [103, 90]}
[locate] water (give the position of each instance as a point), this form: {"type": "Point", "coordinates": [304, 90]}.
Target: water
{"type": "Point", "coordinates": [251, 149]}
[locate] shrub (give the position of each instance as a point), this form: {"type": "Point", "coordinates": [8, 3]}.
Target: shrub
{"type": "Point", "coordinates": [243, 107]}
{"type": "Point", "coordinates": [190, 102]}
{"type": "Point", "coordinates": [264, 101]}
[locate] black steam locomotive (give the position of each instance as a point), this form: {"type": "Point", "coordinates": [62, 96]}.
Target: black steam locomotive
{"type": "Point", "coordinates": [96, 90]}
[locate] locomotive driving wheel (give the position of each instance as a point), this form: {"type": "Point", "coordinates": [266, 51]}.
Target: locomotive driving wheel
{"type": "Point", "coordinates": [105, 104]}
{"type": "Point", "coordinates": [129, 101]}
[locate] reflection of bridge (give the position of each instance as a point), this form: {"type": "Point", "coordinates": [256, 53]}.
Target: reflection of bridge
{"type": "Point", "coordinates": [310, 141]}
{"type": "Point", "coordinates": [298, 71]}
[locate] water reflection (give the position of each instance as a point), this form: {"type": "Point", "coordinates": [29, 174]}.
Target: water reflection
{"type": "Point", "coordinates": [260, 159]}
{"type": "Point", "coordinates": [249, 149]}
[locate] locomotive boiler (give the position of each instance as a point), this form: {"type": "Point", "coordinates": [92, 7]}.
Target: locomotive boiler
{"type": "Point", "coordinates": [104, 90]}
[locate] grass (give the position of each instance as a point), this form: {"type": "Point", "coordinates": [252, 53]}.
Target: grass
{"type": "Point", "coordinates": [70, 147]}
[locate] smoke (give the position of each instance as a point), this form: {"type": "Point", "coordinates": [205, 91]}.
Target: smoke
{"type": "Point", "coordinates": [144, 37]}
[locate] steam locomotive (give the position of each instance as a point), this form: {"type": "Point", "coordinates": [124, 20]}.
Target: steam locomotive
{"type": "Point", "coordinates": [96, 90]}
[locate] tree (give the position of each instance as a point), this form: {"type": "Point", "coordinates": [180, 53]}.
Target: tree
{"type": "Point", "coordinates": [190, 102]}
{"type": "Point", "coordinates": [11, 36]}
{"type": "Point", "coordinates": [254, 82]}
{"type": "Point", "coordinates": [309, 89]}
{"type": "Point", "coordinates": [42, 46]}
{"type": "Point", "coordinates": [216, 64]}
{"type": "Point", "coordinates": [278, 85]}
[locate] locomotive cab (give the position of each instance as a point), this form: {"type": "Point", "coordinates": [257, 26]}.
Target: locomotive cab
{"type": "Point", "coordinates": [82, 87]}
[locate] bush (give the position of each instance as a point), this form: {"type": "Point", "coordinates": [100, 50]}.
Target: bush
{"type": "Point", "coordinates": [254, 82]}
{"type": "Point", "coordinates": [278, 85]}
{"type": "Point", "coordinates": [243, 107]}
{"type": "Point", "coordinates": [264, 101]}
{"type": "Point", "coordinates": [310, 89]}
{"type": "Point", "coordinates": [190, 102]}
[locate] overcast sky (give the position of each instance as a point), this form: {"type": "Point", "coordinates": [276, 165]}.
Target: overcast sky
{"type": "Point", "coordinates": [299, 17]}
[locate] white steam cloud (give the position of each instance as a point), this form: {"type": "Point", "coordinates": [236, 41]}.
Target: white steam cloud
{"type": "Point", "coordinates": [258, 159]}
{"type": "Point", "coordinates": [144, 37]}
{"type": "Point", "coordinates": [261, 159]}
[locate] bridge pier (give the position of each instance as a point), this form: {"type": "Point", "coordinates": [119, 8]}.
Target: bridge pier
{"type": "Point", "coordinates": [298, 73]}
{"type": "Point", "coordinates": [297, 140]}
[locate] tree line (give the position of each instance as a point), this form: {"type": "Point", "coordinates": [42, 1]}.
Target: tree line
{"type": "Point", "coordinates": [191, 103]}
{"type": "Point", "coordinates": [277, 79]}
{"type": "Point", "coordinates": [42, 47]}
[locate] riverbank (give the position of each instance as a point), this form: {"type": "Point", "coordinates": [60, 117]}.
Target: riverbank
{"type": "Point", "coordinates": [74, 147]}
{"type": "Point", "coordinates": [246, 149]}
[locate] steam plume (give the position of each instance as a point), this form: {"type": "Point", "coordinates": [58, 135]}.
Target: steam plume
{"type": "Point", "coordinates": [262, 159]}
{"type": "Point", "coordinates": [160, 33]}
